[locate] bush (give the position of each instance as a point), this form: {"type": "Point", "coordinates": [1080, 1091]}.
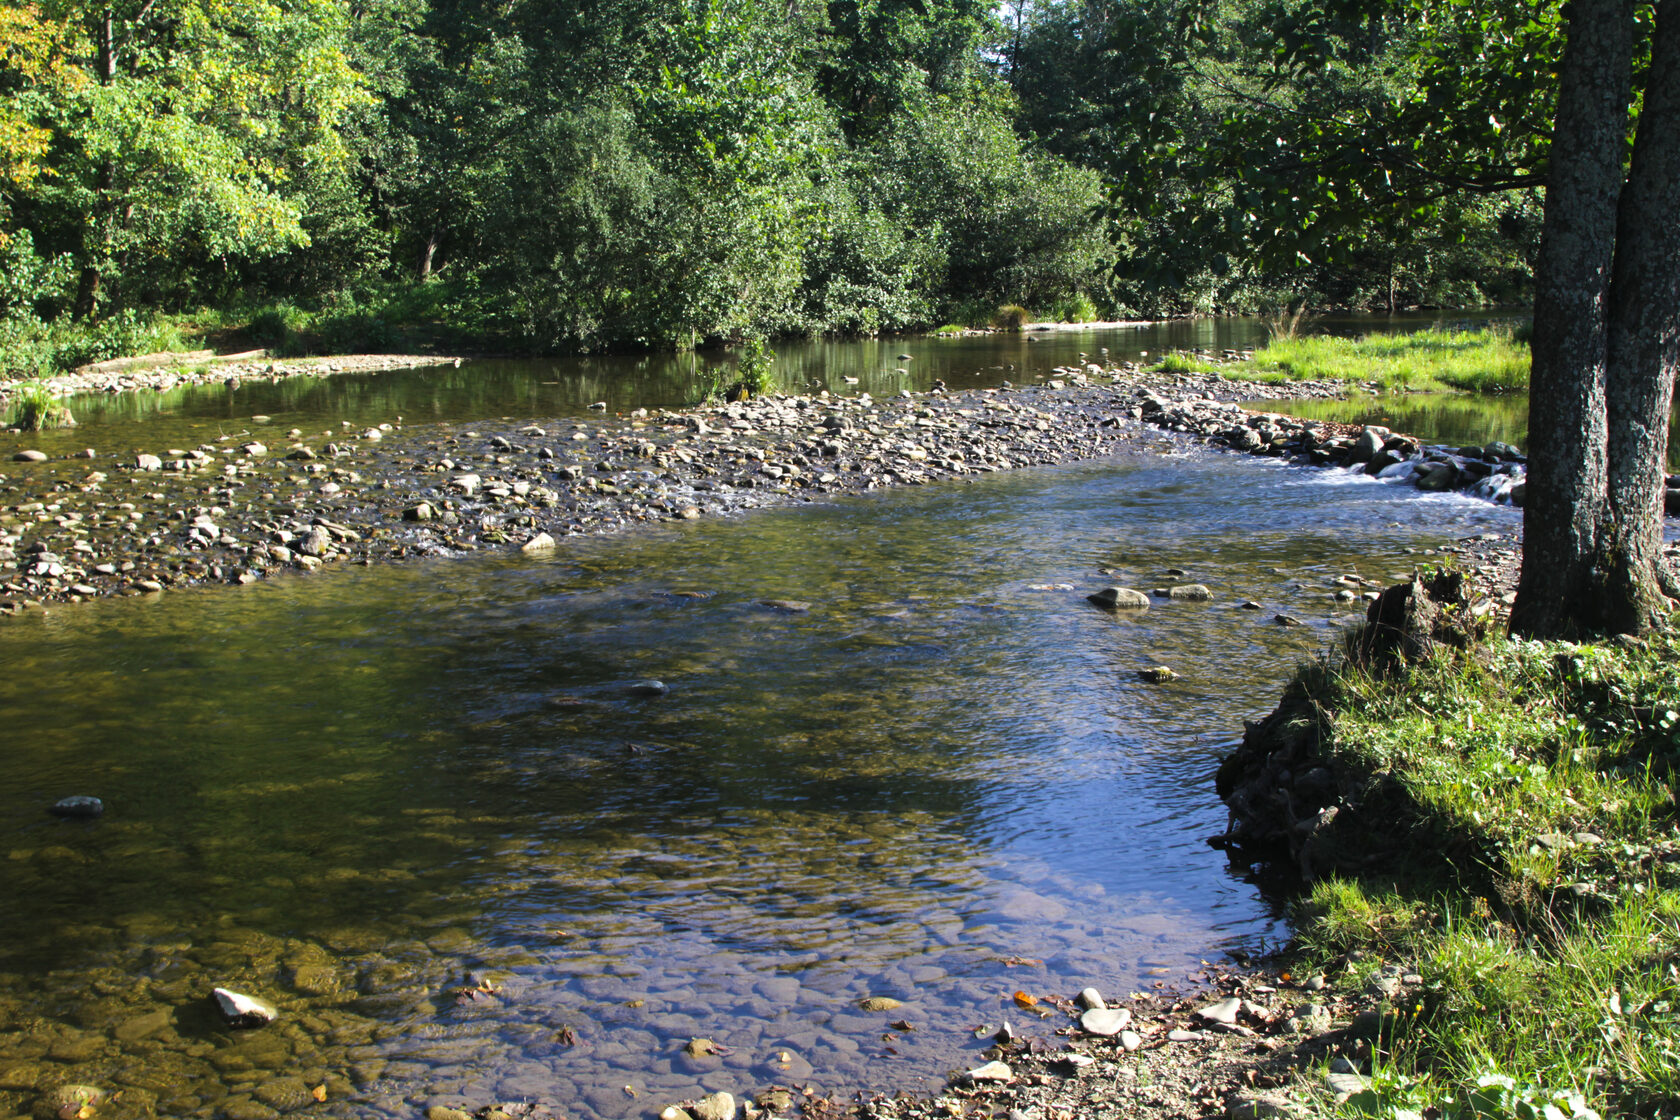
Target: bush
{"type": "Point", "coordinates": [1011, 317]}
{"type": "Point", "coordinates": [1077, 308]}
{"type": "Point", "coordinates": [35, 409]}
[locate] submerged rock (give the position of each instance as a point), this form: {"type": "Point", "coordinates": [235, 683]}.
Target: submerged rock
{"type": "Point", "coordinates": [80, 807]}
{"type": "Point", "coordinates": [241, 1010]}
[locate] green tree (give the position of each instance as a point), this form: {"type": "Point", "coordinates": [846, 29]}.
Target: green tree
{"type": "Point", "coordinates": [192, 134]}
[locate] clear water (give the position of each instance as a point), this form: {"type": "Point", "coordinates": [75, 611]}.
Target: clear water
{"type": "Point", "coordinates": [363, 794]}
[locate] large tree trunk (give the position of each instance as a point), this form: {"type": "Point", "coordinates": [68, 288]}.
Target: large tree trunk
{"type": "Point", "coordinates": [1644, 345]}
{"type": "Point", "coordinates": [1560, 592]}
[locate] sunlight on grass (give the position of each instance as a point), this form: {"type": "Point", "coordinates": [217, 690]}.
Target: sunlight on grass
{"type": "Point", "coordinates": [1535, 786]}
{"type": "Point", "coordinates": [1488, 361]}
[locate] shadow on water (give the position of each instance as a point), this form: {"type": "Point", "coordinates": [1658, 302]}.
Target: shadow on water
{"type": "Point", "coordinates": [423, 809]}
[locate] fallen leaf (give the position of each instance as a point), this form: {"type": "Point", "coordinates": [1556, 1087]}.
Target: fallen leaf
{"type": "Point", "coordinates": [879, 1003]}
{"type": "Point", "coordinates": [319, 1092]}
{"type": "Point", "coordinates": [702, 1048]}
{"type": "Point", "coordinates": [1021, 962]}
{"type": "Point", "coordinates": [566, 1036]}
{"type": "Point", "coordinates": [903, 1025]}
{"type": "Point", "coordinates": [630, 1090]}
{"type": "Point", "coordinates": [635, 1003]}
{"type": "Point", "coordinates": [1022, 999]}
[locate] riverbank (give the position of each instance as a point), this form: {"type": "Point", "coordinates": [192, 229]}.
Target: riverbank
{"type": "Point", "coordinates": [156, 373]}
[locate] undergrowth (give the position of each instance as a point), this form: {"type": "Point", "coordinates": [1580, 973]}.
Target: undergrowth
{"type": "Point", "coordinates": [1540, 900]}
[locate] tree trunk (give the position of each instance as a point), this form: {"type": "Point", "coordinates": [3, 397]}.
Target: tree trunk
{"type": "Point", "coordinates": [92, 274]}
{"type": "Point", "coordinates": [427, 253]}
{"type": "Point", "coordinates": [1560, 591]}
{"type": "Point", "coordinates": [1643, 354]}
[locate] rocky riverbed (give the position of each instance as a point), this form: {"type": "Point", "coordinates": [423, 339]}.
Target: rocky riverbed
{"type": "Point", "coordinates": [264, 500]}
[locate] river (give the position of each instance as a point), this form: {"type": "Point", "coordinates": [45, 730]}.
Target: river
{"type": "Point", "coordinates": [425, 810]}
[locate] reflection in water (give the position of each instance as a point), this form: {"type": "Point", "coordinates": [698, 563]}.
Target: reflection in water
{"type": "Point", "coordinates": [421, 809]}
{"type": "Point", "coordinates": [546, 388]}
{"type": "Point", "coordinates": [1450, 418]}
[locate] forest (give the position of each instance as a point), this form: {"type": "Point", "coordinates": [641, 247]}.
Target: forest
{"type": "Point", "coordinates": [545, 176]}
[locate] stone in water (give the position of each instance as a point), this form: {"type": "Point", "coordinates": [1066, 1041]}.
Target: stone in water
{"type": "Point", "coordinates": [80, 806]}
{"type": "Point", "coordinates": [241, 1010]}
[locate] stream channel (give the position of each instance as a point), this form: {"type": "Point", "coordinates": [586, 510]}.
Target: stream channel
{"type": "Point", "coordinates": [417, 807]}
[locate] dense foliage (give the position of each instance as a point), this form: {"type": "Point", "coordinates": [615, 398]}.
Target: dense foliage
{"type": "Point", "coordinates": [597, 173]}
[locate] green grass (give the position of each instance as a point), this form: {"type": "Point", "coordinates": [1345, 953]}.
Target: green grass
{"type": "Point", "coordinates": [1495, 763]}
{"type": "Point", "coordinates": [1488, 361]}
{"type": "Point", "coordinates": [35, 408]}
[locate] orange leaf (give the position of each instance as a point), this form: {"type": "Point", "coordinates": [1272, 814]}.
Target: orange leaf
{"type": "Point", "coordinates": [319, 1092]}
{"type": "Point", "coordinates": [1024, 1000]}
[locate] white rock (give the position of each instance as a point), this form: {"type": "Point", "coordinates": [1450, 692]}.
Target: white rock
{"type": "Point", "coordinates": [994, 1072]}
{"type": "Point", "coordinates": [241, 1010]}
{"type": "Point", "coordinates": [542, 542]}
{"type": "Point", "coordinates": [1105, 1021]}
{"type": "Point", "coordinates": [1091, 999]}
{"type": "Point", "coordinates": [1225, 1011]}
{"type": "Point", "coordinates": [1131, 1040]}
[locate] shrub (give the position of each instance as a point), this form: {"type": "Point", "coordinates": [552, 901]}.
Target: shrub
{"type": "Point", "coordinates": [1011, 317]}
{"type": "Point", "coordinates": [35, 409]}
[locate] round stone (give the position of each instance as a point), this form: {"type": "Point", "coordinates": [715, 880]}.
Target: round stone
{"type": "Point", "coordinates": [1105, 1021]}
{"type": "Point", "coordinates": [80, 807]}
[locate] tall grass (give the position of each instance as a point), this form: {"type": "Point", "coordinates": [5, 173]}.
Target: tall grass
{"type": "Point", "coordinates": [1475, 361]}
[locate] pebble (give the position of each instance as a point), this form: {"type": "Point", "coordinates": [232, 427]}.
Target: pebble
{"type": "Point", "coordinates": [1131, 1040]}
{"type": "Point", "coordinates": [29, 455]}
{"type": "Point", "coordinates": [1091, 999]}
{"type": "Point", "coordinates": [1181, 1035]}
{"type": "Point", "coordinates": [1157, 674]}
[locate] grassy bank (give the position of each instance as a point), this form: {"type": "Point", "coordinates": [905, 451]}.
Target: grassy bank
{"type": "Point", "coordinates": [1526, 793]}
{"type": "Point", "coordinates": [380, 319]}
{"type": "Point", "coordinates": [1488, 361]}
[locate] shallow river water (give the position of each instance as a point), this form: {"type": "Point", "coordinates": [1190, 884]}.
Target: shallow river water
{"type": "Point", "coordinates": [422, 809]}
